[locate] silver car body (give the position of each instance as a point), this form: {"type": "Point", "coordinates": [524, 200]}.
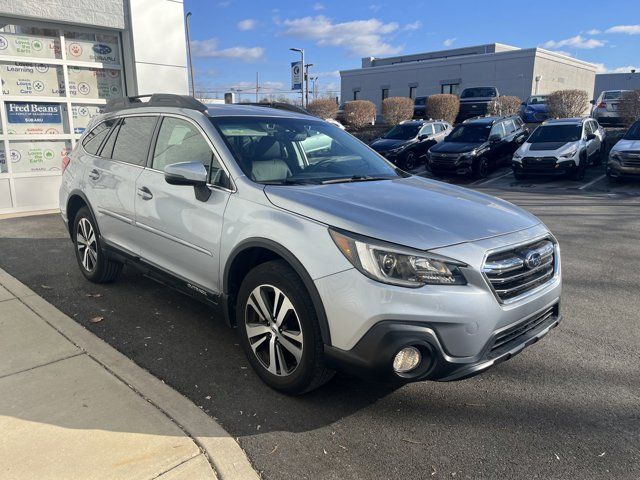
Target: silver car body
{"type": "Point", "coordinates": [605, 107]}
{"type": "Point", "coordinates": [138, 212]}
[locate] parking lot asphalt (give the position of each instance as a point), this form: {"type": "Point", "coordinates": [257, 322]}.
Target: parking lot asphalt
{"type": "Point", "coordinates": [567, 407]}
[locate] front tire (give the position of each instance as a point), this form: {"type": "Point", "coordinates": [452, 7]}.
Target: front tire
{"type": "Point", "coordinates": [279, 329]}
{"type": "Point", "coordinates": [581, 169]}
{"type": "Point", "coordinates": [410, 161]}
{"type": "Point", "coordinates": [94, 264]}
{"type": "Point", "coordinates": [481, 169]}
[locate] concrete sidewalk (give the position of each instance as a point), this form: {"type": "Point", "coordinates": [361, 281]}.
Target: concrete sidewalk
{"type": "Point", "coordinates": [71, 406]}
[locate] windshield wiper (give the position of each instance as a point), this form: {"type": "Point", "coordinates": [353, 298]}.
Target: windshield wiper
{"type": "Point", "coordinates": [289, 181]}
{"type": "Point", "coordinates": [354, 178]}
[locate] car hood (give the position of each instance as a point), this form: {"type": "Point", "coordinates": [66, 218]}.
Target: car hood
{"type": "Point", "coordinates": [547, 146]}
{"type": "Point", "coordinates": [626, 145]}
{"type": "Point", "coordinates": [454, 147]}
{"type": "Point", "coordinates": [414, 211]}
{"type": "Point", "coordinates": [384, 144]}
{"type": "Point", "coordinates": [537, 107]}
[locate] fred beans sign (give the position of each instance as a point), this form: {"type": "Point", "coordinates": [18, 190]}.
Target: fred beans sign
{"type": "Point", "coordinates": [34, 118]}
{"type": "Point", "coordinates": [94, 83]}
{"type": "Point", "coordinates": [104, 49]}
{"type": "Point", "coordinates": [19, 45]}
{"type": "Point", "coordinates": [38, 156]}
{"type": "Point", "coordinates": [31, 79]}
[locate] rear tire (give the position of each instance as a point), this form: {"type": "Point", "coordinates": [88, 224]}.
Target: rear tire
{"type": "Point", "coordinates": [284, 347]}
{"type": "Point", "coordinates": [94, 264]}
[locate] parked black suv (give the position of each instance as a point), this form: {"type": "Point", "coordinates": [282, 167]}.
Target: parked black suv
{"type": "Point", "coordinates": [474, 101]}
{"type": "Point", "coordinates": [478, 145]}
{"type": "Point", "coordinates": [408, 142]}
{"type": "Point", "coordinates": [420, 107]}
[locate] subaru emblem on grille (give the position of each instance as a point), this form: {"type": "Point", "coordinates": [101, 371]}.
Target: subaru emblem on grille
{"type": "Point", "coordinates": [533, 260]}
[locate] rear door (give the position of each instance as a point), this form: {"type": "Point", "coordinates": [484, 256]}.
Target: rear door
{"type": "Point", "coordinates": [111, 179]}
{"type": "Point", "coordinates": [498, 149]}
{"type": "Point", "coordinates": [177, 232]}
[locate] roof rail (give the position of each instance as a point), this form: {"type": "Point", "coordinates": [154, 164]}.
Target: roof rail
{"type": "Point", "coordinates": [280, 106]}
{"type": "Point", "coordinates": [155, 100]}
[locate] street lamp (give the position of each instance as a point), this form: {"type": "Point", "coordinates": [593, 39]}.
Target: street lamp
{"type": "Point", "coordinates": [193, 81]}
{"type": "Point", "coordinates": [306, 81]}
{"type": "Point", "coordinates": [301, 51]}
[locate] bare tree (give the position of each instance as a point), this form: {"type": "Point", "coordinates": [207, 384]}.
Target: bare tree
{"type": "Point", "coordinates": [444, 106]}
{"type": "Point", "coordinates": [397, 109]}
{"type": "Point", "coordinates": [629, 107]}
{"type": "Point", "coordinates": [323, 108]}
{"type": "Point", "coordinates": [506, 105]}
{"type": "Point", "coordinates": [568, 103]}
{"type": "Point", "coordinates": [360, 113]}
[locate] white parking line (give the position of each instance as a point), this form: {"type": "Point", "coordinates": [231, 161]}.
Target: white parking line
{"type": "Point", "coordinates": [596, 180]}
{"type": "Point", "coordinates": [484, 182]}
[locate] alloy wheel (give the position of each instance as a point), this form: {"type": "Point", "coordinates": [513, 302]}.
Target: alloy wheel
{"type": "Point", "coordinates": [274, 330]}
{"type": "Point", "coordinates": [410, 161]}
{"type": "Point", "coordinates": [87, 245]}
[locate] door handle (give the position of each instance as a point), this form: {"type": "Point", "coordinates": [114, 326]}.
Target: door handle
{"type": "Point", "coordinates": [94, 174]}
{"type": "Point", "coordinates": [145, 193]}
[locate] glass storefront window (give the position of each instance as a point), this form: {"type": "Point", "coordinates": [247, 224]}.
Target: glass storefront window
{"type": "Point", "coordinates": [89, 47]}
{"type": "Point", "coordinates": [82, 115]}
{"type": "Point", "coordinates": [38, 156]}
{"type": "Point", "coordinates": [30, 118]}
{"type": "Point", "coordinates": [3, 161]}
{"type": "Point", "coordinates": [94, 83]}
{"type": "Point", "coordinates": [19, 41]}
{"type": "Point", "coordinates": [33, 80]}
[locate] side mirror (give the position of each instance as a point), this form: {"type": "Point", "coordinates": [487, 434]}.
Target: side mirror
{"type": "Point", "coordinates": [494, 138]}
{"type": "Point", "coordinates": [591, 136]}
{"type": "Point", "coordinates": [191, 174]}
{"type": "Point", "coordinates": [592, 102]}
{"type": "Point", "coordinates": [422, 137]}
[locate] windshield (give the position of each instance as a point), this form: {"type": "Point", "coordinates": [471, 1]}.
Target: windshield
{"type": "Point", "coordinates": [556, 133]}
{"type": "Point", "coordinates": [633, 133]}
{"type": "Point", "coordinates": [612, 95]}
{"type": "Point", "coordinates": [470, 133]}
{"type": "Point", "coordinates": [478, 92]}
{"type": "Point", "coordinates": [537, 100]}
{"type": "Point", "coordinates": [421, 101]}
{"type": "Point", "coordinates": [299, 151]}
{"type": "Point", "coordinates": [402, 132]}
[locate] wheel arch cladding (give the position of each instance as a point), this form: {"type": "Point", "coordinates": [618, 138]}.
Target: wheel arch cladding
{"type": "Point", "coordinates": [76, 201]}
{"type": "Point", "coordinates": [255, 251]}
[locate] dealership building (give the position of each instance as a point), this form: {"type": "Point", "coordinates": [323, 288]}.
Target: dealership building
{"type": "Point", "coordinates": [514, 71]}
{"type": "Point", "coordinates": [60, 62]}
{"type": "Point", "coordinates": [616, 81]}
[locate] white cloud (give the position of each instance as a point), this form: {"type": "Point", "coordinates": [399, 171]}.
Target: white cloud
{"type": "Point", "coordinates": [628, 29]}
{"type": "Point", "coordinates": [575, 42]}
{"type": "Point", "coordinates": [247, 24]}
{"type": "Point", "coordinates": [318, 6]}
{"type": "Point", "coordinates": [449, 41]}
{"type": "Point", "coordinates": [602, 69]}
{"type": "Point", "coordinates": [410, 27]}
{"type": "Point", "coordinates": [358, 37]}
{"type": "Point", "coordinates": [593, 31]}
{"type": "Point", "coordinates": [375, 7]}
{"type": "Point", "coordinates": [209, 49]}
{"type": "Point", "coordinates": [329, 74]}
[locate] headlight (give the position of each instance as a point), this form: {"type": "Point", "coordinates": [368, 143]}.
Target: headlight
{"type": "Point", "coordinates": [396, 150]}
{"type": "Point", "coordinates": [570, 154]}
{"type": "Point", "coordinates": [517, 155]}
{"type": "Point", "coordinates": [397, 265]}
{"type": "Point", "coordinates": [614, 156]}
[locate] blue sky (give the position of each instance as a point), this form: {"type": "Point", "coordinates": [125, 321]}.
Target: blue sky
{"type": "Point", "coordinates": [234, 39]}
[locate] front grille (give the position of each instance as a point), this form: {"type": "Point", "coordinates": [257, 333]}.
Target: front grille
{"type": "Point", "coordinates": [514, 332]}
{"type": "Point", "coordinates": [514, 272]}
{"type": "Point", "coordinates": [540, 162]}
{"type": "Point", "coordinates": [444, 160]}
{"type": "Point", "coordinates": [630, 159]}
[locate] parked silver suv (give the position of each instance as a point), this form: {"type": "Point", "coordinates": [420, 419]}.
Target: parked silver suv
{"type": "Point", "coordinates": [323, 254]}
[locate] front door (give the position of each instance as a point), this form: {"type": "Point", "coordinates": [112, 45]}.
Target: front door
{"type": "Point", "coordinates": [177, 232]}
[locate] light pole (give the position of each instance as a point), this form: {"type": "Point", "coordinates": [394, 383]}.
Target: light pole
{"type": "Point", "coordinates": [193, 81]}
{"type": "Point", "coordinates": [301, 51]}
{"type": "Point", "coordinates": [306, 82]}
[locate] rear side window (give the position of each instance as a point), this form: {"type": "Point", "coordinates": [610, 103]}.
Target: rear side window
{"type": "Point", "coordinates": [132, 141]}
{"type": "Point", "coordinates": [93, 139]}
{"type": "Point", "coordinates": [509, 127]}
{"type": "Point", "coordinates": [497, 129]}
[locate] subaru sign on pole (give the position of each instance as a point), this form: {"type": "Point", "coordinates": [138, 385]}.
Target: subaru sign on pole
{"type": "Point", "coordinates": [296, 75]}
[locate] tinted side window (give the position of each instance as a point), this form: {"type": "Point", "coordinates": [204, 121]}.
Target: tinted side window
{"type": "Point", "coordinates": [427, 130]}
{"type": "Point", "coordinates": [509, 127]}
{"type": "Point", "coordinates": [94, 138]}
{"type": "Point", "coordinates": [132, 143]}
{"type": "Point", "coordinates": [181, 141]}
{"type": "Point", "coordinates": [497, 129]}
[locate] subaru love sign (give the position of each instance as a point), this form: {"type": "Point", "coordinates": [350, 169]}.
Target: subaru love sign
{"type": "Point", "coordinates": [33, 113]}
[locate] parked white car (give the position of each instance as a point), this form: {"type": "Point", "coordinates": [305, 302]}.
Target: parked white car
{"type": "Point", "coordinates": [559, 147]}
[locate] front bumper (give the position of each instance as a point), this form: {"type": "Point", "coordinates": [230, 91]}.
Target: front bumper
{"type": "Point", "coordinates": [548, 166]}
{"type": "Point", "coordinates": [462, 165]}
{"type": "Point", "coordinates": [373, 356]}
{"type": "Point", "coordinates": [617, 169]}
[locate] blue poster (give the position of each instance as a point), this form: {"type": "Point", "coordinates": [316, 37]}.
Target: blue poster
{"type": "Point", "coordinates": [33, 113]}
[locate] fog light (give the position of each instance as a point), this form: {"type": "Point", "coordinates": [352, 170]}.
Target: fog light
{"type": "Point", "coordinates": [406, 359]}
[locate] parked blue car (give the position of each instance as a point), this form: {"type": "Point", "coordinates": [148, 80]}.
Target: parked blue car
{"type": "Point", "coordinates": [534, 110]}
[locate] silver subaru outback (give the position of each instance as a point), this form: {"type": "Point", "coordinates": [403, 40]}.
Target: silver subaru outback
{"type": "Point", "coordinates": [324, 255]}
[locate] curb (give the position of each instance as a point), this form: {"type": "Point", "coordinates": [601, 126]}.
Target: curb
{"type": "Point", "coordinates": [225, 455]}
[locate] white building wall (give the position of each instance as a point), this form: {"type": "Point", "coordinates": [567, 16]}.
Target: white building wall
{"type": "Point", "coordinates": [616, 81]}
{"type": "Point", "coordinates": [105, 13]}
{"type": "Point", "coordinates": [558, 72]}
